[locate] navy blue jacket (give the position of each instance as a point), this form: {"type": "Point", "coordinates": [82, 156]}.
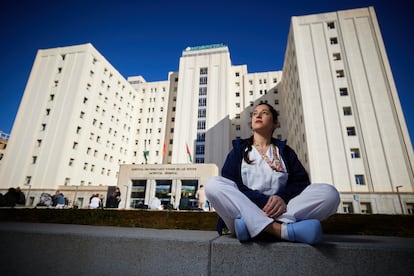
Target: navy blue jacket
{"type": "Point", "coordinates": [297, 181]}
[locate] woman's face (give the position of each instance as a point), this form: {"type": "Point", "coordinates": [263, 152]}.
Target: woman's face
{"type": "Point", "coordinates": [262, 119]}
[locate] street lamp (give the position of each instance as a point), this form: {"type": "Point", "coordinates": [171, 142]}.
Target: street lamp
{"type": "Point", "coordinates": [126, 195]}
{"type": "Point", "coordinates": [28, 194]}
{"type": "Point", "coordinates": [399, 198]}
{"type": "Point", "coordinates": [74, 198]}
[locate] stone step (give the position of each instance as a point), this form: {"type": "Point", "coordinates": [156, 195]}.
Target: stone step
{"type": "Point", "coordinates": [70, 249]}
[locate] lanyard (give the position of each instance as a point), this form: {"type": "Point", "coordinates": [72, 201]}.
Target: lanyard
{"type": "Point", "coordinates": [275, 165]}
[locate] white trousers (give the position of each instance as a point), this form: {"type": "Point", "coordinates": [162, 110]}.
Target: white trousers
{"type": "Point", "coordinates": [317, 201]}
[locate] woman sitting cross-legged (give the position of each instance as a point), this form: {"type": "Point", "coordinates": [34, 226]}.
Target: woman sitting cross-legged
{"type": "Point", "coordinates": [265, 189]}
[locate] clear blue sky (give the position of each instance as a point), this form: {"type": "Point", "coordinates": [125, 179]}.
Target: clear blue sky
{"type": "Point", "coordinates": [147, 37]}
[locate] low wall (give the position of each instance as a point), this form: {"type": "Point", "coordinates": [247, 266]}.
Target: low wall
{"type": "Point", "coordinates": [68, 249]}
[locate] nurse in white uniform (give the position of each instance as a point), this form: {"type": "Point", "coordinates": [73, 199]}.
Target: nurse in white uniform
{"type": "Point", "coordinates": [265, 189]}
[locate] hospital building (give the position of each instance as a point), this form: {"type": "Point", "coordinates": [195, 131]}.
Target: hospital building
{"type": "Point", "coordinates": [83, 128]}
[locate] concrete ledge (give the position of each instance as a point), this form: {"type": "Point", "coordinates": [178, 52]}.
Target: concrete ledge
{"type": "Point", "coordinates": [64, 249]}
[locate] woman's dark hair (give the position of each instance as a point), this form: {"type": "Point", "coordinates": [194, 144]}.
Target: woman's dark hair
{"type": "Point", "coordinates": [250, 139]}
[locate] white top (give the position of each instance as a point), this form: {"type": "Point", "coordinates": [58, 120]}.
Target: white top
{"type": "Point", "coordinates": [260, 176]}
{"type": "Point", "coordinates": [95, 201]}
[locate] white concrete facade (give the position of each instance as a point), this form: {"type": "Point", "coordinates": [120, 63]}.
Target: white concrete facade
{"type": "Point", "coordinates": [79, 119]}
{"type": "Point", "coordinates": [349, 128]}
{"type": "Point", "coordinates": [75, 123]}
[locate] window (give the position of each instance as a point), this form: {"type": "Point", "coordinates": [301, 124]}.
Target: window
{"type": "Point", "coordinates": [202, 102]}
{"type": "Point", "coordinates": [333, 40]}
{"type": "Point", "coordinates": [201, 137]}
{"type": "Point", "coordinates": [331, 25]}
{"type": "Point", "coordinates": [203, 71]}
{"type": "Point", "coordinates": [347, 111]}
{"type": "Point", "coordinates": [202, 91]}
{"type": "Point", "coordinates": [34, 159]}
{"type": "Point", "coordinates": [203, 80]}
{"type": "Point", "coordinates": [355, 153]}
{"type": "Point", "coordinates": [27, 180]}
{"type": "Point", "coordinates": [200, 149]}
{"type": "Point", "coordinates": [201, 113]}
{"type": "Point", "coordinates": [336, 56]}
{"type": "Point", "coordinates": [199, 160]}
{"type": "Point", "coordinates": [359, 179]}
{"type": "Point", "coordinates": [410, 208]}
{"type": "Point", "coordinates": [351, 131]}
{"type": "Point", "coordinates": [366, 208]}
{"type": "Point", "coordinates": [201, 125]}
{"type": "Point", "coordinates": [71, 161]}
{"type": "Point", "coordinates": [138, 193]}
{"type": "Point", "coordinates": [347, 207]}
{"type": "Point", "coordinates": [343, 91]}
{"type": "Point", "coordinates": [340, 73]}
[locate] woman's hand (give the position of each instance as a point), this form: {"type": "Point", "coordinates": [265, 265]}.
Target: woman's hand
{"type": "Point", "coordinates": [275, 206]}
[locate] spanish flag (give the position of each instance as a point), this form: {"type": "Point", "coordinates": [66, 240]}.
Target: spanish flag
{"type": "Point", "coordinates": [164, 148]}
{"type": "Point", "coordinates": [189, 153]}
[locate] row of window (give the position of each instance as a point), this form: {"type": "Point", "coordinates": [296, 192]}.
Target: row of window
{"type": "Point", "coordinates": [261, 81]}
{"type": "Point", "coordinates": [201, 117]}
{"type": "Point", "coordinates": [261, 92]}
{"type": "Point", "coordinates": [347, 111]}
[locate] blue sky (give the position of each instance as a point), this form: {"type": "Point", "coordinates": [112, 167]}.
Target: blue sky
{"type": "Point", "coordinates": [147, 37]}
